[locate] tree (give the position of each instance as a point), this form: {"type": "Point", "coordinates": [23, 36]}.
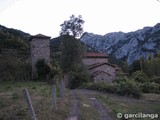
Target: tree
{"type": "Point", "coordinates": [71, 53]}
{"type": "Point", "coordinates": [73, 27]}
{"type": "Point", "coordinates": [125, 67]}
{"type": "Point", "coordinates": [149, 58]}
{"type": "Point", "coordinates": [71, 46]}
{"type": "Point", "coordinates": [135, 66]}
{"type": "Point", "coordinates": [158, 54]}
{"type": "Point", "coordinates": [142, 63]}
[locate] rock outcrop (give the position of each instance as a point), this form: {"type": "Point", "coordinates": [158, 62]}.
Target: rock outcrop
{"type": "Point", "coordinates": [129, 46]}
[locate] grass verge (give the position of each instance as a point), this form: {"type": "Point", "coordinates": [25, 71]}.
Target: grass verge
{"type": "Point", "coordinates": [125, 105]}
{"type": "Point", "coordinates": [14, 107]}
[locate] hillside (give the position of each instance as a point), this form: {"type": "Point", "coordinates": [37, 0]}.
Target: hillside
{"type": "Point", "coordinates": [56, 42]}
{"type": "Point", "coordinates": [13, 39]}
{"type": "Point", "coordinates": [14, 55]}
{"type": "Point", "coordinates": [126, 46]}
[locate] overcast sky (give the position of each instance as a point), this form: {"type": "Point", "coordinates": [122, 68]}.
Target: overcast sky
{"type": "Point", "coordinates": [100, 16]}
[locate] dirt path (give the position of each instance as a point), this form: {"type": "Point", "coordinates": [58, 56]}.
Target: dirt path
{"type": "Point", "coordinates": [97, 104]}
{"type": "Point", "coordinates": [94, 102]}
{"type": "Point", "coordinates": [73, 115]}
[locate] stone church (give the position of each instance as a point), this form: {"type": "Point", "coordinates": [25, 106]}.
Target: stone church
{"type": "Point", "coordinates": [99, 68]}
{"type": "Point", "coordinates": [97, 63]}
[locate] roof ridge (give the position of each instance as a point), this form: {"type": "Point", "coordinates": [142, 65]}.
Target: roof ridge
{"type": "Point", "coordinates": [95, 54]}
{"type": "Point", "coordinates": [99, 64]}
{"type": "Point", "coordinates": [40, 36]}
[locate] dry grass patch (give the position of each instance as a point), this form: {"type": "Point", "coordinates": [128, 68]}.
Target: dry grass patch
{"type": "Point", "coordinates": [14, 107]}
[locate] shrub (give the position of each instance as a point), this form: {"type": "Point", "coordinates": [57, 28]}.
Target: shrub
{"type": "Point", "coordinates": [129, 88]}
{"type": "Point", "coordinates": [101, 86]}
{"type": "Point", "coordinates": [92, 86]}
{"type": "Point", "coordinates": [120, 79]}
{"type": "Point", "coordinates": [140, 77]}
{"type": "Point", "coordinates": [156, 80]}
{"type": "Point", "coordinates": [78, 77]}
{"type": "Point", "coordinates": [13, 68]}
{"type": "Point", "coordinates": [150, 88]}
{"type": "Point", "coordinates": [42, 69]}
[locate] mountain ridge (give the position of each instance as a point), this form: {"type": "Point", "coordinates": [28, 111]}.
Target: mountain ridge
{"type": "Point", "coordinates": [123, 46]}
{"type": "Point", "coordinates": [129, 46]}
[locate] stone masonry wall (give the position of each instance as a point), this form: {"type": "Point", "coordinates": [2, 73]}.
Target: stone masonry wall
{"type": "Point", "coordinates": [40, 49]}
{"type": "Point", "coordinates": [106, 68]}
{"type": "Point", "coordinates": [103, 77]}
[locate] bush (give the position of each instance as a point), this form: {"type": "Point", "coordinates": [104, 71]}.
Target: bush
{"type": "Point", "coordinates": [120, 79]}
{"type": "Point", "coordinates": [101, 86]}
{"type": "Point", "coordinates": [129, 88]}
{"type": "Point", "coordinates": [150, 88]}
{"type": "Point", "coordinates": [156, 80]}
{"type": "Point", "coordinates": [43, 70]}
{"type": "Point", "coordinates": [13, 68]}
{"type": "Point", "coordinates": [78, 77]}
{"type": "Point", "coordinates": [140, 77]}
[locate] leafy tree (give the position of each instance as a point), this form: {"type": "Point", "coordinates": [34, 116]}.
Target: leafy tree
{"type": "Point", "coordinates": [73, 27]}
{"type": "Point", "coordinates": [142, 63]}
{"type": "Point", "coordinates": [149, 57]}
{"type": "Point", "coordinates": [71, 53]}
{"type": "Point", "coordinates": [135, 66]}
{"type": "Point", "coordinates": [153, 67]}
{"type": "Point", "coordinates": [125, 67]}
{"type": "Point", "coordinates": [158, 54]}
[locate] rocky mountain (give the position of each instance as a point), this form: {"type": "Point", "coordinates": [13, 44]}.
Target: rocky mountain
{"type": "Point", "coordinates": [129, 46]}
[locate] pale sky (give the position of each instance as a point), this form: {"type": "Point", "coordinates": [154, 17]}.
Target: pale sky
{"type": "Point", "coordinates": [100, 16]}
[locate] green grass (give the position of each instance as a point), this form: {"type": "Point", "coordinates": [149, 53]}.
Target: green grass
{"type": "Point", "coordinates": [124, 105]}
{"type": "Point", "coordinates": [14, 107]}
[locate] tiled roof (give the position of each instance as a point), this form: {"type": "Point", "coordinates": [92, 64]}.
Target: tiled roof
{"type": "Point", "coordinates": [95, 55]}
{"type": "Point", "coordinates": [41, 36]}
{"type": "Point", "coordinates": [99, 64]}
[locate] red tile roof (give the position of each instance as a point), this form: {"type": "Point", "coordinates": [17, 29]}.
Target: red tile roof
{"type": "Point", "coordinates": [95, 55]}
{"type": "Point", "coordinates": [41, 36]}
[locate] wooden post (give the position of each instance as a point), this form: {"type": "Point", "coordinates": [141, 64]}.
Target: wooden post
{"type": "Point", "coordinates": [54, 94]}
{"type": "Point", "coordinates": [63, 86]}
{"type": "Point", "coordinates": [29, 103]}
{"type": "Point", "coordinates": [61, 90]}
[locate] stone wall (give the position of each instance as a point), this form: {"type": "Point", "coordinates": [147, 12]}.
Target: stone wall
{"type": "Point", "coordinates": [106, 68]}
{"type": "Point", "coordinates": [103, 77]}
{"type": "Point", "coordinates": [40, 49]}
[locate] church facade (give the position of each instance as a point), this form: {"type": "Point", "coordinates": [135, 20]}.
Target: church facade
{"type": "Point", "coordinates": [99, 67]}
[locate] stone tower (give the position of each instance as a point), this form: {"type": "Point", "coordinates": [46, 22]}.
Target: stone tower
{"type": "Point", "coordinates": [40, 49]}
